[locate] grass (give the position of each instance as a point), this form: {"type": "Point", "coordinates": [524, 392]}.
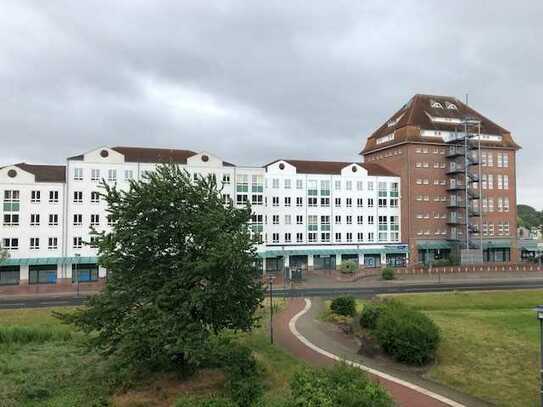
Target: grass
{"type": "Point", "coordinates": [42, 363]}
{"type": "Point", "coordinates": [489, 343]}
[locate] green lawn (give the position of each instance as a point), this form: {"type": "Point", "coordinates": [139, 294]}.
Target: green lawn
{"type": "Point", "coordinates": [56, 371]}
{"type": "Point", "coordinates": [490, 346]}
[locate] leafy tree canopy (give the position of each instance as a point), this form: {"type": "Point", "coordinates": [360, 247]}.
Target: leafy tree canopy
{"type": "Point", "coordinates": [181, 267]}
{"type": "Point", "coordinates": [529, 217]}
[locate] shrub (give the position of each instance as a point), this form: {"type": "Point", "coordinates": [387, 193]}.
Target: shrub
{"type": "Point", "coordinates": [339, 386]}
{"type": "Point", "coordinates": [406, 334]}
{"type": "Point", "coordinates": [388, 273]}
{"type": "Point", "coordinates": [442, 263]}
{"type": "Point", "coordinates": [208, 402]}
{"type": "Point", "coordinates": [348, 266]}
{"type": "Point", "coordinates": [370, 314]}
{"type": "Point", "coordinates": [343, 306]}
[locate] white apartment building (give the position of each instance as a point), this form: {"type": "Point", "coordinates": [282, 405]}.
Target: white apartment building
{"type": "Point", "coordinates": [310, 214]}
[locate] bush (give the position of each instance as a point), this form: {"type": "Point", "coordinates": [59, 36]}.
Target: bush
{"type": "Point", "coordinates": [406, 334]}
{"type": "Point", "coordinates": [208, 402]}
{"type": "Point", "coordinates": [370, 314]}
{"type": "Point", "coordinates": [348, 266]}
{"type": "Point", "coordinates": [388, 273]}
{"type": "Point", "coordinates": [343, 306]}
{"type": "Point", "coordinates": [339, 386]}
{"type": "Point", "coordinates": [442, 263]}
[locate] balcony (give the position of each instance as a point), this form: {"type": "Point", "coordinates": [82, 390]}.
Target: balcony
{"type": "Point", "coordinates": [456, 203]}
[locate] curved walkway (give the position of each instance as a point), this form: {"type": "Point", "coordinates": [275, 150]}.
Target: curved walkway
{"type": "Point", "coordinates": [297, 330]}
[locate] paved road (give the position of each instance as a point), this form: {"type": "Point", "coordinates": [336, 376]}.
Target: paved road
{"type": "Point", "coordinates": [409, 288]}
{"type": "Point", "coordinates": [399, 287]}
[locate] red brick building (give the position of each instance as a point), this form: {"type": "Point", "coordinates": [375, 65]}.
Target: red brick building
{"type": "Point", "coordinates": [450, 189]}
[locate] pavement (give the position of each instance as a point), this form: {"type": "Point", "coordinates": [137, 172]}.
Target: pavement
{"type": "Point", "coordinates": [326, 341]}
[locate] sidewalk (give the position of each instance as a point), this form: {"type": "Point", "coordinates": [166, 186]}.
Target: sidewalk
{"type": "Point", "coordinates": [329, 338]}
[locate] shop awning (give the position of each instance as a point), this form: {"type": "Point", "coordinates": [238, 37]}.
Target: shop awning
{"type": "Point", "coordinates": [433, 245]}
{"type": "Point", "coordinates": [38, 261]}
{"type": "Point", "coordinates": [393, 249]}
{"type": "Point", "coordinates": [531, 245]}
{"type": "Point", "coordinates": [497, 244]}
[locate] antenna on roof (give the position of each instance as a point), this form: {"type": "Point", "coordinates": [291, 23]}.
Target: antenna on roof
{"type": "Point", "coordinates": [467, 99]}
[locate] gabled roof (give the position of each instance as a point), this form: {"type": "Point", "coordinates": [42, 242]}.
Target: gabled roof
{"type": "Point", "coordinates": [332, 167]}
{"type": "Point", "coordinates": [153, 155]}
{"type": "Point", "coordinates": [420, 110]}
{"type": "Point", "coordinates": [45, 173]}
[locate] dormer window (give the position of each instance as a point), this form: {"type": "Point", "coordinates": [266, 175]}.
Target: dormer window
{"type": "Point", "coordinates": [451, 106]}
{"type": "Point", "coordinates": [436, 105]}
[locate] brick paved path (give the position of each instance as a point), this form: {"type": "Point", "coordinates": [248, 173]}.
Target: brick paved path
{"type": "Point", "coordinates": [403, 396]}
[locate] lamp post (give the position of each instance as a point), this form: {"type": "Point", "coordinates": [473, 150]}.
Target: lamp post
{"type": "Point", "coordinates": [270, 289]}
{"type": "Point", "coordinates": [77, 272]}
{"type": "Point", "coordinates": [539, 311]}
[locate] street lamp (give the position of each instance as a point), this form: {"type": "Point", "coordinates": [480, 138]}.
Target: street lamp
{"type": "Point", "coordinates": [77, 272]}
{"type": "Point", "coordinates": [270, 289]}
{"type": "Point", "coordinates": [539, 311]}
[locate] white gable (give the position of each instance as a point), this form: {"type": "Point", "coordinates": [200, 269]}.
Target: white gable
{"type": "Point", "coordinates": [281, 167]}
{"type": "Point", "coordinates": [14, 175]}
{"type": "Point", "coordinates": [354, 170]}
{"type": "Point", "coordinates": [204, 159]}
{"type": "Point", "coordinates": [103, 155]}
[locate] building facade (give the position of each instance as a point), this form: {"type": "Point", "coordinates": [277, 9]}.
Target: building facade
{"type": "Point", "coordinates": [307, 214]}
{"type": "Point", "coordinates": [458, 178]}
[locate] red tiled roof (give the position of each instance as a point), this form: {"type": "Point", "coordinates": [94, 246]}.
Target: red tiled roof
{"type": "Point", "coordinates": [45, 173]}
{"type": "Point", "coordinates": [332, 167]}
{"type": "Point", "coordinates": [417, 112]}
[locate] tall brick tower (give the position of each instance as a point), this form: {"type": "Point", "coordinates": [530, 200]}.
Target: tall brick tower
{"type": "Point", "coordinates": [458, 179]}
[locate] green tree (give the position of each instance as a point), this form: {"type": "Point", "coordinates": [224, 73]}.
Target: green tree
{"type": "Point", "coordinates": [4, 254]}
{"type": "Point", "coordinates": [182, 267]}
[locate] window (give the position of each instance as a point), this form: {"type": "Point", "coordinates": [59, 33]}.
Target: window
{"type": "Point", "coordinates": [359, 185]}
{"type": "Point", "coordinates": [359, 220]}
{"type": "Point", "coordinates": [288, 219]}
{"type": "Point", "coordinates": [78, 219]}
{"type": "Point", "coordinates": [325, 202]}
{"type": "Point", "coordinates": [338, 202]}
{"type": "Point", "coordinates": [109, 220]}
{"type": "Point", "coordinates": [275, 237]}
{"type": "Point", "coordinates": [35, 196]}
{"type": "Point", "coordinates": [383, 228]}
{"type": "Point", "coordinates": [359, 202]}
{"type": "Point", "coordinates": [312, 202]}
{"type": "Point", "coordinates": [78, 196]}
{"type": "Point", "coordinates": [325, 237]}
{"type": "Point", "coordinates": [299, 184]}
{"type": "Point", "coordinates": [451, 106]}
{"type": "Point", "coordinates": [299, 237]}
{"type": "Point", "coordinates": [299, 220]}
{"type": "Point", "coordinates": [349, 185]}
{"type": "Point", "coordinates": [360, 237]}
{"type": "Point", "coordinates": [349, 220]}
{"type": "Point", "coordinates": [95, 197]}
{"type": "Point", "coordinates": [349, 202]}
{"type": "Point", "coordinates": [11, 243]}
{"type": "Point", "coordinates": [255, 199]}
{"type": "Point", "coordinates": [34, 219]}
{"type": "Point", "coordinates": [349, 237]}
{"type": "Point", "coordinates": [312, 188]}
{"type": "Point", "coordinates": [490, 181]}
{"type": "Point", "coordinates": [325, 188]}
{"type": "Point", "coordinates": [370, 186]}
{"type": "Point", "coordinates": [34, 243]}
{"type": "Point", "coordinates": [275, 201]}
{"type": "Point", "coordinates": [53, 196]}
{"type": "Point", "coordinates": [299, 201]}
{"type": "Point", "coordinates": [436, 105]}
{"type": "Point", "coordinates": [78, 174]}
{"type": "Point", "coordinates": [77, 242]}
{"type": "Point", "coordinates": [337, 185]}
{"type": "Point", "coordinates": [382, 203]}
{"type": "Point", "coordinates": [370, 202]}
{"type": "Point", "coordinates": [112, 175]}
{"type": "Point", "coordinates": [11, 201]}
{"type": "Point", "coordinates": [53, 220]}
{"type": "Point", "coordinates": [312, 237]}
{"type": "Point", "coordinates": [226, 178]}
{"type": "Point", "coordinates": [95, 220]}
{"type": "Point", "coordinates": [275, 219]}
{"type": "Point", "coordinates": [257, 184]}
{"type": "Point", "coordinates": [506, 204]}
{"type": "Point", "coordinates": [95, 174]}
{"type": "Point", "coordinates": [52, 243]}
{"type": "Point", "coordinates": [128, 175]}
{"type": "Point", "coordinates": [394, 228]}
{"type": "Point", "coordinates": [325, 222]}
{"type": "Point", "coordinates": [241, 199]}
{"type": "Point", "coordinates": [370, 220]}
{"type": "Point", "coordinates": [275, 183]}
{"type": "Point", "coordinates": [394, 203]}
{"type": "Point", "coordinates": [506, 182]}
{"type": "Point", "coordinates": [287, 200]}
{"type": "Point", "coordinates": [287, 238]}
{"type": "Point", "coordinates": [371, 237]}
{"type": "Point", "coordinates": [287, 185]}
{"type": "Point", "coordinates": [490, 159]}
{"type": "Point", "coordinates": [338, 237]}
{"type": "Point", "coordinates": [312, 223]}
{"type": "Point", "coordinates": [338, 219]}
{"type": "Point", "coordinates": [11, 219]}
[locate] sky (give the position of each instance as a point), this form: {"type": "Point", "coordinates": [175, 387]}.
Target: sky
{"type": "Point", "coordinates": [254, 81]}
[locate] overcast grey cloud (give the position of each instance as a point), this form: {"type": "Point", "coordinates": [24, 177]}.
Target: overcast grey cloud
{"type": "Point", "coordinates": [254, 81]}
